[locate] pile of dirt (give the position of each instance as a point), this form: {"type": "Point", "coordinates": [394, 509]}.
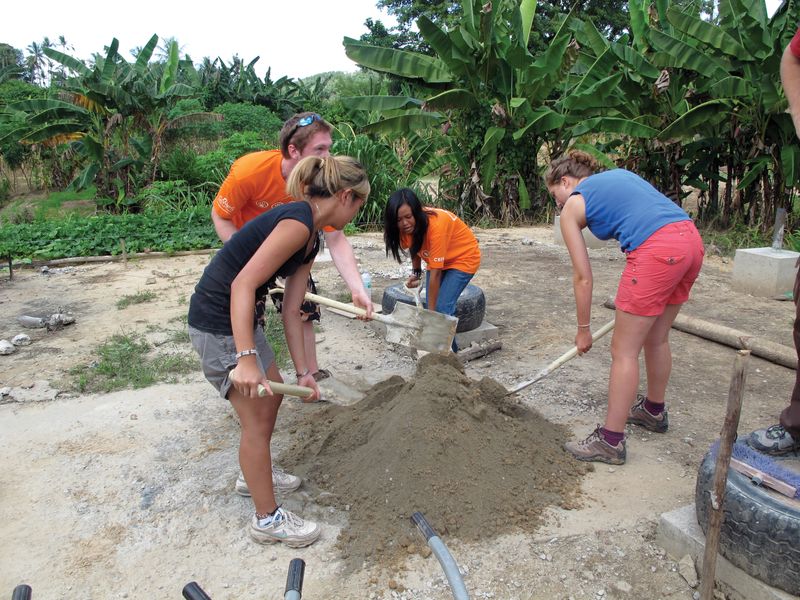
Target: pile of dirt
{"type": "Point", "coordinates": [473, 461]}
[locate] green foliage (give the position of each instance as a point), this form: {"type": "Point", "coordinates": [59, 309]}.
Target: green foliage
{"type": "Point", "coordinates": [181, 164]}
{"type": "Point", "coordinates": [385, 174]}
{"type": "Point", "coordinates": [737, 236]}
{"type": "Point", "coordinates": [15, 90]}
{"type": "Point", "coordinates": [241, 143]}
{"type": "Point", "coordinates": [5, 189]}
{"type": "Point", "coordinates": [125, 361]}
{"type": "Point", "coordinates": [203, 129]}
{"type": "Point", "coordinates": [138, 298]}
{"type": "Point", "coordinates": [171, 196]}
{"type": "Point", "coordinates": [239, 117]}
{"type": "Point", "coordinates": [276, 338]}
{"type": "Point", "coordinates": [213, 167]}
{"type": "Point", "coordinates": [168, 231]}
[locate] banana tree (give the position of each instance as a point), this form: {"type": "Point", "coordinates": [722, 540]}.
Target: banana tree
{"type": "Point", "coordinates": [756, 144]}
{"type": "Point", "coordinates": [486, 89]}
{"type": "Point", "coordinates": [113, 113]}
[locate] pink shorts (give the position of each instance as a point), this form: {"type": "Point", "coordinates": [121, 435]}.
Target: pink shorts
{"type": "Point", "coordinates": [661, 271]}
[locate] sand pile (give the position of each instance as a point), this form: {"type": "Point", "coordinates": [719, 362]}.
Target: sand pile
{"type": "Point", "coordinates": [475, 463]}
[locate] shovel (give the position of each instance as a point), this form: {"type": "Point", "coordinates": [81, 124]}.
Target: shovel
{"type": "Point", "coordinates": [280, 388]}
{"type": "Point", "coordinates": [406, 325]}
{"type": "Point", "coordinates": [567, 356]}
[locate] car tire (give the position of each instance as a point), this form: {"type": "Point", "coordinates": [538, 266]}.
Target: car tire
{"type": "Point", "coordinates": [760, 528]}
{"type": "Point", "coordinates": [470, 308]}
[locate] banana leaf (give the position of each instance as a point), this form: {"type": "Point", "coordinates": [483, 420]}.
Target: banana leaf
{"type": "Point", "coordinates": [790, 157]}
{"type": "Point", "coordinates": [382, 103]}
{"type": "Point", "coordinates": [706, 32]}
{"type": "Point", "coordinates": [691, 123]}
{"type": "Point", "coordinates": [397, 62]}
{"type": "Point", "coordinates": [614, 125]}
{"type": "Point", "coordinates": [405, 123]}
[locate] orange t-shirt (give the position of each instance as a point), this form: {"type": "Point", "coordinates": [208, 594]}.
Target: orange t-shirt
{"type": "Point", "coordinates": [448, 244]}
{"type": "Point", "coordinates": [253, 186]}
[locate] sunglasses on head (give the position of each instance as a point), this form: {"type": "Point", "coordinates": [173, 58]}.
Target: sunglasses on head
{"type": "Point", "coordinates": [304, 122]}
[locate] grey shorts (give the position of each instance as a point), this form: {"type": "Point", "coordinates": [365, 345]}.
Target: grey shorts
{"type": "Point", "coordinates": [218, 356]}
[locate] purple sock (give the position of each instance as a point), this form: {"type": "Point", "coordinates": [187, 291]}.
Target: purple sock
{"type": "Point", "coordinates": [654, 408]}
{"type": "Point", "coordinates": [612, 438]}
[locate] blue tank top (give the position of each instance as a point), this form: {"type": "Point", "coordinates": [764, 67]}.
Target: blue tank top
{"type": "Point", "coordinates": [210, 305]}
{"type": "Point", "coordinates": [623, 206]}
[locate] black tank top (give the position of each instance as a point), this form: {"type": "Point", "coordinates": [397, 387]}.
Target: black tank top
{"type": "Point", "coordinates": [210, 305]}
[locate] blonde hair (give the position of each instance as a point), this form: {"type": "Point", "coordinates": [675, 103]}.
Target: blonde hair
{"type": "Point", "coordinates": [576, 163]}
{"type": "Point", "coordinates": [317, 177]}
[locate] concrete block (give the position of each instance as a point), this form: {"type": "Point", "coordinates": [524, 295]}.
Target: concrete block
{"type": "Point", "coordinates": [680, 534]}
{"type": "Point", "coordinates": [764, 271]}
{"type": "Point", "coordinates": [482, 333]}
{"type": "Point", "coordinates": [588, 236]}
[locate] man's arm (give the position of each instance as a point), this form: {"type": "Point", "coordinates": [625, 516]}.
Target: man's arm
{"type": "Point", "coordinates": [790, 79]}
{"type": "Point", "coordinates": [345, 261]}
{"type": "Point", "coordinates": [224, 227]}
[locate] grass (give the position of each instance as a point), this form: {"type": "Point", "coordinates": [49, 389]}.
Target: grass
{"type": "Point", "coordinates": [34, 207]}
{"type": "Point", "coordinates": [738, 236]}
{"type": "Point", "coordinates": [124, 361]}
{"type": "Point", "coordinates": [138, 298]}
{"type": "Point", "coordinates": [273, 330]}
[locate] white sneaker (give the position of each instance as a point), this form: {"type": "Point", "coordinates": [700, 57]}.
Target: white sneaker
{"type": "Point", "coordinates": [285, 527]}
{"type": "Point", "coordinates": [282, 482]}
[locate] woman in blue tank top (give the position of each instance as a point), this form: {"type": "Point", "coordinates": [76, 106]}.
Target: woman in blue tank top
{"type": "Point", "coordinates": [664, 253]}
{"type": "Point", "coordinates": [223, 325]}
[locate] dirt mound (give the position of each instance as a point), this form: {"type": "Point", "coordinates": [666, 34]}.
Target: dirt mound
{"type": "Point", "coordinates": [475, 463]}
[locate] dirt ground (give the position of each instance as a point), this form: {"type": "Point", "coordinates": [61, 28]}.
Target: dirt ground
{"type": "Point", "coordinates": [130, 494]}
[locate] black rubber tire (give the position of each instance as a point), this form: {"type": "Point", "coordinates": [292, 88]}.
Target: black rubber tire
{"type": "Point", "coordinates": [760, 528]}
{"type": "Point", "coordinates": [470, 308]}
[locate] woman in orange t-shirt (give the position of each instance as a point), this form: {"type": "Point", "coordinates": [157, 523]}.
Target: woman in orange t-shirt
{"type": "Point", "coordinates": [437, 236]}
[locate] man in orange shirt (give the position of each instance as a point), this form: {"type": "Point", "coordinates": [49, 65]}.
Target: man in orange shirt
{"type": "Point", "coordinates": [257, 183]}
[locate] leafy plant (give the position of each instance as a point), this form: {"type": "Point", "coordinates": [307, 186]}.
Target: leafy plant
{"type": "Point", "coordinates": [168, 196]}
{"type": "Point", "coordinates": [167, 231]}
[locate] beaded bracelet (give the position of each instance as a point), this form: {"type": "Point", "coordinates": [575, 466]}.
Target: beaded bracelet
{"type": "Point", "coordinates": [246, 353]}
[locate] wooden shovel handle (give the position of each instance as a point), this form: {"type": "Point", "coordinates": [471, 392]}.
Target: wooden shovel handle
{"type": "Point", "coordinates": [570, 354]}
{"type": "Point", "coordinates": [287, 389]}
{"type": "Point", "coordinates": [354, 310]}
{"type": "Point", "coordinates": [567, 356]}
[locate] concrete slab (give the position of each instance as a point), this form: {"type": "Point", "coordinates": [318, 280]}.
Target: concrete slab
{"type": "Point", "coordinates": [680, 534]}
{"type": "Point", "coordinates": [588, 236]}
{"type": "Point", "coordinates": [482, 333]}
{"type": "Point", "coordinates": [764, 271]}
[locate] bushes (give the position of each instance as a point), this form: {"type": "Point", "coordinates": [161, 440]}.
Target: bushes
{"type": "Point", "coordinates": [248, 117]}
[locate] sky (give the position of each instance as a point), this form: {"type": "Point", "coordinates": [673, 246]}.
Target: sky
{"type": "Point", "coordinates": [296, 38]}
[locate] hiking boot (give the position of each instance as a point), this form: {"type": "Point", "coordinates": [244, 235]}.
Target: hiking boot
{"type": "Point", "coordinates": [773, 440]}
{"type": "Point", "coordinates": [282, 482]}
{"type": "Point", "coordinates": [639, 415]}
{"type": "Point", "coordinates": [595, 449]}
{"type": "Point", "coordinates": [285, 527]}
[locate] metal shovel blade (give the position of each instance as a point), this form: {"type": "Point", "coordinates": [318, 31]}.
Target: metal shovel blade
{"type": "Point", "coordinates": [420, 328]}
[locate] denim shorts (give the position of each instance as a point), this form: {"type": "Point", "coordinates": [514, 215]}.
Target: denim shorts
{"type": "Point", "coordinates": [218, 356]}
